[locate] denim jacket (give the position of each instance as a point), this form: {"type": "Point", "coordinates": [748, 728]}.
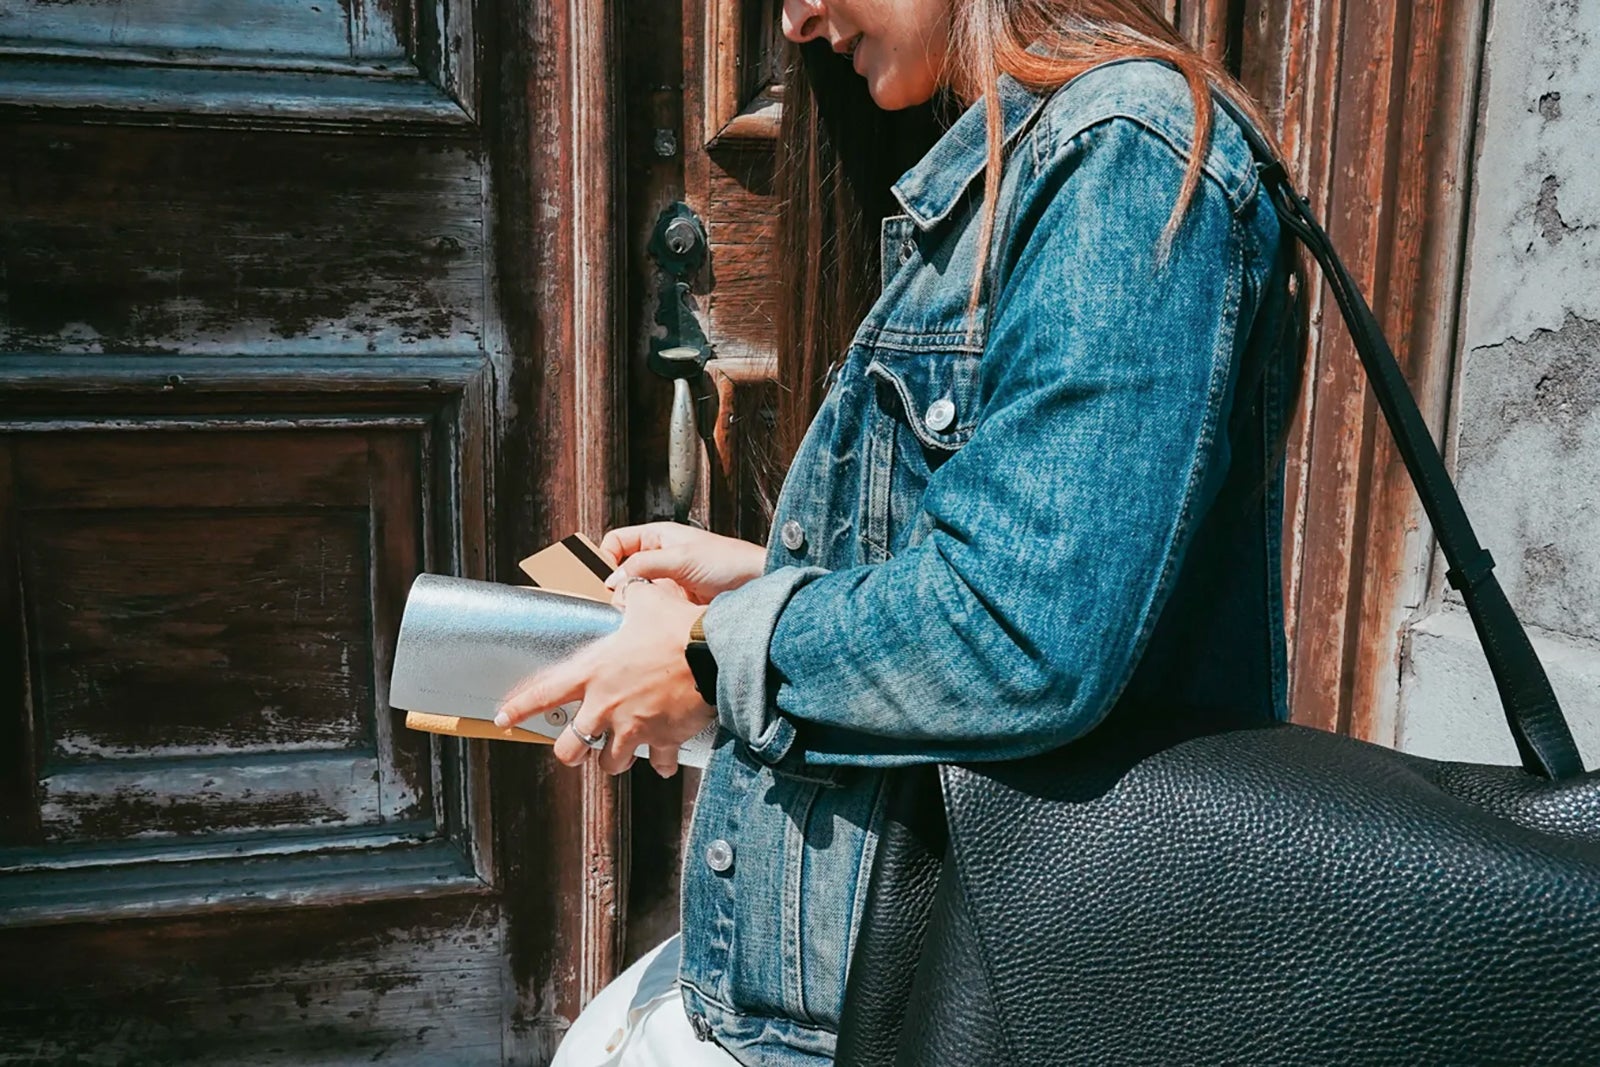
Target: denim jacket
{"type": "Point", "coordinates": [992, 538]}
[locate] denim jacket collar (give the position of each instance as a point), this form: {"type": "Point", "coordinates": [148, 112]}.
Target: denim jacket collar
{"type": "Point", "coordinates": [930, 190]}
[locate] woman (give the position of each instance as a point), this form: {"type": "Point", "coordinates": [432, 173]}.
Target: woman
{"type": "Point", "coordinates": [1041, 489]}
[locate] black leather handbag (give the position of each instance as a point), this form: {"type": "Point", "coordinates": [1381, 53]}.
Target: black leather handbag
{"type": "Point", "coordinates": [1271, 895]}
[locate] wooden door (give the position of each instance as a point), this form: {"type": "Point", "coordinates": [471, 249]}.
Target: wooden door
{"type": "Point", "coordinates": [297, 300]}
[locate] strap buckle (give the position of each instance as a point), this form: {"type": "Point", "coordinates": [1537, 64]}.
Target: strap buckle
{"type": "Point", "coordinates": [1273, 173]}
{"type": "Point", "coordinates": [1471, 573]}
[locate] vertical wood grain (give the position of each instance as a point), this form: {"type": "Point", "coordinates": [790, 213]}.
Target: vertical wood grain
{"type": "Point", "coordinates": [656, 142]}
{"type": "Point", "coordinates": [601, 428]}
{"type": "Point", "coordinates": [538, 810]}
{"type": "Point", "coordinates": [1291, 64]}
{"type": "Point", "coordinates": [1431, 134]}
{"type": "Point", "coordinates": [394, 555]}
{"type": "Point", "coordinates": [554, 187]}
{"type": "Point", "coordinates": [1358, 215]}
{"type": "Point", "coordinates": [1375, 99]}
{"type": "Point", "coordinates": [1209, 24]}
{"type": "Point", "coordinates": [19, 805]}
{"type": "Point", "coordinates": [721, 52]}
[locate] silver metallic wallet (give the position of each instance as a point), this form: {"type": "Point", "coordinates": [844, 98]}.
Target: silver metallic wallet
{"type": "Point", "coordinates": [465, 646]}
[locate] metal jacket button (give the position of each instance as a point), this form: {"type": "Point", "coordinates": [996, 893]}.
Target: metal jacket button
{"type": "Point", "coordinates": [941, 415]}
{"type": "Point", "coordinates": [906, 249]}
{"type": "Point", "coordinates": [794, 536]}
{"type": "Point", "coordinates": [719, 855]}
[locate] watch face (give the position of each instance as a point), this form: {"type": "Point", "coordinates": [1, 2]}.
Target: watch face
{"type": "Point", "coordinates": [703, 665]}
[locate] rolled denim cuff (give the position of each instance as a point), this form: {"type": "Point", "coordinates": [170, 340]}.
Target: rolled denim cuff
{"type": "Point", "coordinates": [739, 626]}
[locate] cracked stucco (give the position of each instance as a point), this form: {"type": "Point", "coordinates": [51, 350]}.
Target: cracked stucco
{"type": "Point", "coordinates": [1528, 464]}
{"type": "Point", "coordinates": [1528, 416]}
{"type": "Point", "coordinates": [1536, 216]}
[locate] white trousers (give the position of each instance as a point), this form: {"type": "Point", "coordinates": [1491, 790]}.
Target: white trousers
{"type": "Point", "coordinates": [638, 1021]}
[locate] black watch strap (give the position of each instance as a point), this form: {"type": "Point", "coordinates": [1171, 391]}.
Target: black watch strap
{"type": "Point", "coordinates": [702, 664]}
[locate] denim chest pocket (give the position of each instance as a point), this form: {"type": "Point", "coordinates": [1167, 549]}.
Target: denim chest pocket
{"type": "Point", "coordinates": [924, 409]}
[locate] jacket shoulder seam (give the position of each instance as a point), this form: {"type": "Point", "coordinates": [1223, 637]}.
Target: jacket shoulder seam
{"type": "Point", "coordinates": [1051, 143]}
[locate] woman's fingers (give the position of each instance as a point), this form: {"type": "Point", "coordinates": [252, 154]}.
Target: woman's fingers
{"type": "Point", "coordinates": [620, 593]}
{"type": "Point", "coordinates": [703, 564]}
{"type": "Point", "coordinates": [664, 758]}
{"type": "Point", "coordinates": [650, 563]}
{"type": "Point", "coordinates": [624, 541]}
{"type": "Point", "coordinates": [621, 542]}
{"type": "Point", "coordinates": [570, 748]}
{"type": "Point", "coordinates": [618, 755]}
{"type": "Point", "coordinates": [550, 688]}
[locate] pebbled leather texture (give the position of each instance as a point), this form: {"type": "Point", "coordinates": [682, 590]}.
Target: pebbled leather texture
{"type": "Point", "coordinates": [1276, 895]}
{"type": "Point", "coordinates": [905, 874]}
{"type": "Point", "coordinates": [955, 1017]}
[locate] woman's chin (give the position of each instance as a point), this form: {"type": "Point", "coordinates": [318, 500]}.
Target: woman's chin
{"type": "Point", "coordinates": [895, 94]}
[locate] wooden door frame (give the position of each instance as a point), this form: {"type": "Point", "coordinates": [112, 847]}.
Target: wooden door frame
{"type": "Point", "coordinates": [601, 401]}
{"type": "Point", "coordinates": [553, 105]}
{"type": "Point", "coordinates": [1377, 102]}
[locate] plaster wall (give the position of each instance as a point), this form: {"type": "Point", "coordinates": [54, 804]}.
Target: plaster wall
{"type": "Point", "coordinates": [1527, 450]}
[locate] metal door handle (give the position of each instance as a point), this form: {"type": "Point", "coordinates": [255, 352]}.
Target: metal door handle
{"type": "Point", "coordinates": [679, 246]}
{"type": "Point", "coordinates": [683, 437]}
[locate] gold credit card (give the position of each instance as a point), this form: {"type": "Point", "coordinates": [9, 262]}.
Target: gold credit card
{"type": "Point", "coordinates": [573, 565]}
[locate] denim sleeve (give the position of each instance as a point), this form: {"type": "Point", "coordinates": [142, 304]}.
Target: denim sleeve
{"type": "Point", "coordinates": [1013, 626]}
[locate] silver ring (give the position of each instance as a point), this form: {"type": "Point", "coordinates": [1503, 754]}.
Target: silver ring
{"type": "Point", "coordinates": [597, 741]}
{"type": "Point", "coordinates": [622, 589]}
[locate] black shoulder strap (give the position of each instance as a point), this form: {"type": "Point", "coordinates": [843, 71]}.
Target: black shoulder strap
{"type": "Point", "coordinates": [1532, 711]}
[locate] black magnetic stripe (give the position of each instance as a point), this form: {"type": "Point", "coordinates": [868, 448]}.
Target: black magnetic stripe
{"type": "Point", "coordinates": [588, 557]}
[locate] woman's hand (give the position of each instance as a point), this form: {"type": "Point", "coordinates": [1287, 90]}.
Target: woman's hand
{"type": "Point", "coordinates": [702, 563]}
{"type": "Point", "coordinates": [635, 685]}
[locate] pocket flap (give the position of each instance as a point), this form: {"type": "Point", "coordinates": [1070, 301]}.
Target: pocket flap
{"type": "Point", "coordinates": [938, 395]}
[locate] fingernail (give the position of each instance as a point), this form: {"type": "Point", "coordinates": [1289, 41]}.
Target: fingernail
{"type": "Point", "coordinates": [613, 578]}
{"type": "Point", "coordinates": [502, 719]}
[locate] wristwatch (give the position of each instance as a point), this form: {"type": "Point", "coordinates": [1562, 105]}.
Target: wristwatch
{"type": "Point", "coordinates": [702, 664]}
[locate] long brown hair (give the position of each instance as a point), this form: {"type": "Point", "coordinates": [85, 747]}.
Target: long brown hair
{"type": "Point", "coordinates": [839, 153]}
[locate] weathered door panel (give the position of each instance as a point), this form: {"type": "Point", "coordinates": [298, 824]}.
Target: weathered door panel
{"type": "Point", "coordinates": [382, 982]}
{"type": "Point", "coordinates": [203, 583]}
{"type": "Point", "coordinates": [286, 318]}
{"type": "Point", "coordinates": [244, 244]}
